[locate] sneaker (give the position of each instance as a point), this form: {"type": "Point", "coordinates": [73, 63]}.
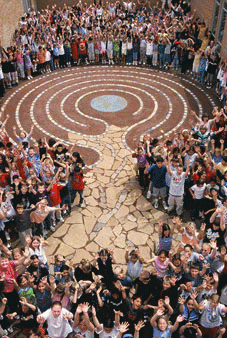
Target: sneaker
{"type": "Point", "coordinates": [44, 233]}
{"type": "Point", "coordinates": [164, 205]}
{"type": "Point", "coordinates": [148, 194]}
{"type": "Point", "coordinates": [52, 228]}
{"type": "Point", "coordinates": [54, 224]}
{"type": "Point", "coordinates": [7, 236]}
{"type": "Point", "coordinates": [156, 204]}
{"type": "Point", "coordinates": [10, 329]}
{"type": "Point", "coordinates": [61, 220]}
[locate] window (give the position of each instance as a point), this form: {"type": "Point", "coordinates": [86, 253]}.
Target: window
{"type": "Point", "coordinates": [215, 17]}
{"type": "Point", "coordinates": [222, 21]}
{"type": "Point", "coordinates": [27, 5]}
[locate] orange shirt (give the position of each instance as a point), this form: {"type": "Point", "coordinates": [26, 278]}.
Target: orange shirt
{"type": "Point", "coordinates": [41, 56]}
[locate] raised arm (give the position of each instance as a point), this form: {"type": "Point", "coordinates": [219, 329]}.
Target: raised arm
{"type": "Point", "coordinates": [95, 320]}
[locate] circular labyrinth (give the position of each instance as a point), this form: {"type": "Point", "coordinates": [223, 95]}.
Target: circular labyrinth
{"type": "Point", "coordinates": [82, 106]}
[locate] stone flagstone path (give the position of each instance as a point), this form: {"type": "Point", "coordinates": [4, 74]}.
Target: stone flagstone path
{"type": "Point", "coordinates": [116, 214]}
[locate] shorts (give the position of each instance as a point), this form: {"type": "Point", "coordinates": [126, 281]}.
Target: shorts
{"type": "Point", "coordinates": [159, 192]}
{"type": "Point", "coordinates": [116, 53]}
{"type": "Point", "coordinates": [195, 69]}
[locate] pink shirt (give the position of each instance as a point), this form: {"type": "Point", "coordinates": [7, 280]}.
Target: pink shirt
{"type": "Point", "coordinates": [162, 268]}
{"type": "Point", "coordinates": [9, 273]}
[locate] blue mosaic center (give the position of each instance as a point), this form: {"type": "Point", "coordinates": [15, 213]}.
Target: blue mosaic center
{"type": "Point", "coordinates": [109, 103]}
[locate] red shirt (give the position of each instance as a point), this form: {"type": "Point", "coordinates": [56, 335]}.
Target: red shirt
{"type": "Point", "coordinates": [77, 181]}
{"type": "Point", "coordinates": [4, 180]}
{"type": "Point", "coordinates": [55, 197]}
{"type": "Point", "coordinates": [82, 47]}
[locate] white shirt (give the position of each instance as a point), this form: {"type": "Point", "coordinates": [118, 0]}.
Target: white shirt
{"type": "Point", "coordinates": [85, 334]}
{"type": "Point", "coordinates": [199, 191]}
{"type": "Point", "coordinates": [57, 327]}
{"type": "Point", "coordinates": [112, 334]}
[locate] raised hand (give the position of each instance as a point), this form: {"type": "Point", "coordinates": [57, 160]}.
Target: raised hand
{"type": "Point", "coordinates": [124, 327]}
{"type": "Point", "coordinates": [139, 325]}
{"type": "Point", "coordinates": [180, 318]}
{"type": "Point", "coordinates": [40, 320]}
{"type": "Point", "coordinates": [160, 313]}
{"type": "Point", "coordinates": [51, 279]}
{"type": "Point", "coordinates": [67, 316]}
{"type": "Point", "coordinates": [85, 307]}
{"type": "Point", "coordinates": [193, 295]}
{"type": "Point", "coordinates": [167, 300]}
{"type": "Point", "coordinates": [181, 301]}
{"type": "Point", "coordinates": [79, 309]}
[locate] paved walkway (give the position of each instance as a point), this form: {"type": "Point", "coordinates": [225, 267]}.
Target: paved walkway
{"type": "Point", "coordinates": [116, 214]}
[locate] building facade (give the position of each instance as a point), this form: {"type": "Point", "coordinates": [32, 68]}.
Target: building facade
{"type": "Point", "coordinates": [214, 14]}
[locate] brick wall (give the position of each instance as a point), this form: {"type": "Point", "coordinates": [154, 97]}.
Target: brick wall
{"type": "Point", "coordinates": [204, 9]}
{"type": "Point", "coordinates": [11, 11]}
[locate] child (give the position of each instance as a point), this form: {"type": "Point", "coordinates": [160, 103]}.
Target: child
{"type": "Point", "coordinates": [165, 237]}
{"type": "Point", "coordinates": [8, 269]}
{"type": "Point", "coordinates": [77, 185]}
{"type": "Point", "coordinates": [161, 326]}
{"type": "Point", "coordinates": [43, 295]}
{"type": "Point", "coordinates": [82, 324]}
{"type": "Point", "coordinates": [190, 236]}
{"type": "Point", "coordinates": [190, 330]}
{"type": "Point", "coordinates": [162, 263]}
{"type": "Point", "coordinates": [120, 275]}
{"type": "Point", "coordinates": [134, 263]}
{"type": "Point", "coordinates": [198, 191]}
{"type": "Point", "coordinates": [158, 173]}
{"type": "Point", "coordinates": [58, 262]}
{"type": "Point", "coordinates": [210, 320]}
{"type": "Point", "coordinates": [23, 223]}
{"type": "Point", "coordinates": [105, 259]}
{"type": "Point", "coordinates": [24, 290]}
{"type": "Point", "coordinates": [141, 157]}
{"type": "Point", "coordinates": [108, 328]}
{"type": "Point", "coordinates": [189, 308]}
{"type": "Point", "coordinates": [194, 274]}
{"type": "Point", "coordinates": [36, 246]}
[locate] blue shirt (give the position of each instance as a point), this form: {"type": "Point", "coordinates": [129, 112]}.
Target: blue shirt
{"type": "Point", "coordinates": [158, 176]}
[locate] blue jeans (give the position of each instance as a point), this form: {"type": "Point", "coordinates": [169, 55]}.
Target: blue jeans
{"type": "Point", "coordinates": [175, 63]}
{"type": "Point", "coordinates": [129, 56]}
{"type": "Point", "coordinates": [73, 195]}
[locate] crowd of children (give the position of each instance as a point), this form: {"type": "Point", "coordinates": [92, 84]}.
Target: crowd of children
{"type": "Point", "coordinates": [166, 35]}
{"type": "Point", "coordinates": [178, 292]}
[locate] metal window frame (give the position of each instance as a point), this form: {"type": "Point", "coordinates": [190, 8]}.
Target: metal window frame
{"type": "Point", "coordinates": [215, 17]}
{"type": "Point", "coordinates": [223, 10]}
{"type": "Point", "coordinates": [27, 5]}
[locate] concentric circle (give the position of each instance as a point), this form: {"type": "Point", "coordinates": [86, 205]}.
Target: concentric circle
{"type": "Point", "coordinates": [109, 103]}
{"type": "Point", "coordinates": [88, 106]}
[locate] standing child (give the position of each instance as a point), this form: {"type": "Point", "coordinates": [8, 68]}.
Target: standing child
{"type": "Point", "coordinates": [141, 157]}
{"type": "Point", "coordinates": [134, 263]}
{"type": "Point", "coordinates": [165, 236]}
{"type": "Point", "coordinates": [103, 50]}
{"type": "Point", "coordinates": [77, 185]}
{"type": "Point", "coordinates": [198, 191]}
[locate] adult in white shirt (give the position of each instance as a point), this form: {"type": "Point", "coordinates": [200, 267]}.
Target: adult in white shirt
{"type": "Point", "coordinates": [57, 321]}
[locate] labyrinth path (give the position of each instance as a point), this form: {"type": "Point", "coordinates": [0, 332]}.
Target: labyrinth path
{"type": "Point", "coordinates": [102, 109]}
